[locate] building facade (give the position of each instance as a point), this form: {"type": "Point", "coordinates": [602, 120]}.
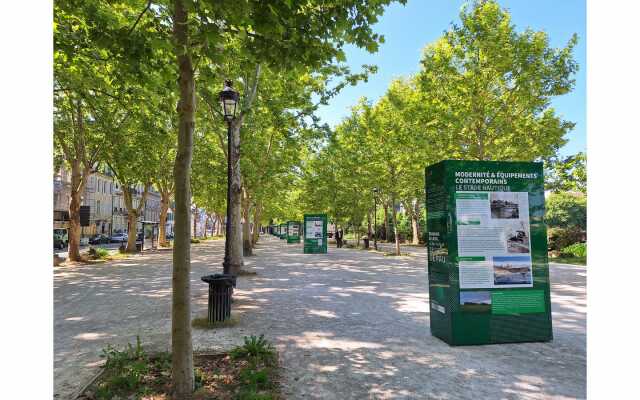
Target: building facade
{"type": "Point", "coordinates": [103, 195]}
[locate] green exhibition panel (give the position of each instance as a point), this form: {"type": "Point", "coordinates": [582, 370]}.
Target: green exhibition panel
{"type": "Point", "coordinates": [315, 233]}
{"type": "Point", "coordinates": [283, 231]}
{"type": "Point", "coordinates": [487, 245]}
{"type": "Point", "coordinates": [293, 232]}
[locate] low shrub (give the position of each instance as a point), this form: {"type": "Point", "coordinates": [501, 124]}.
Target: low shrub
{"type": "Point", "coordinates": [258, 378]}
{"type": "Point", "coordinates": [98, 253]}
{"type": "Point", "coordinates": [249, 373]}
{"type": "Point", "coordinates": [125, 370]}
{"type": "Point", "coordinates": [255, 347]}
{"type": "Point", "coordinates": [559, 238]}
{"type": "Point", "coordinates": [575, 250]}
{"type": "Point", "coordinates": [194, 241]}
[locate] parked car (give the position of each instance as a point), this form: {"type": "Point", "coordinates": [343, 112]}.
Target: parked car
{"type": "Point", "coordinates": [99, 239]}
{"type": "Point", "coordinates": [60, 238]}
{"type": "Point", "coordinates": [119, 237]}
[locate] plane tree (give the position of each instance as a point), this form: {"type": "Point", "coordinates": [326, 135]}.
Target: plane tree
{"type": "Point", "coordinates": [283, 35]}
{"type": "Point", "coordinates": [491, 87]}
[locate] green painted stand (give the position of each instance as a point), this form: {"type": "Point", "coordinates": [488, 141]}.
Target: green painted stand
{"type": "Point", "coordinates": [487, 251]}
{"type": "Point", "coordinates": [315, 233]}
{"type": "Point", "coordinates": [283, 231]}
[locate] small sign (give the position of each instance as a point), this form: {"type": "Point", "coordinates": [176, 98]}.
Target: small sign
{"type": "Point", "coordinates": [85, 213]}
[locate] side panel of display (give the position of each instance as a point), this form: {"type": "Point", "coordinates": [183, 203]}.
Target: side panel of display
{"type": "Point", "coordinates": [438, 252]}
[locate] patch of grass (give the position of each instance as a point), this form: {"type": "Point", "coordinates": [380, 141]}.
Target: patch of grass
{"type": "Point", "coordinates": [195, 241]}
{"type": "Point", "coordinates": [212, 238]}
{"type": "Point", "coordinates": [125, 371]}
{"type": "Point", "coordinates": [393, 254]}
{"type": "Point", "coordinates": [119, 256]}
{"type": "Point", "coordinates": [244, 272]}
{"type": "Point", "coordinates": [258, 377]}
{"type": "Point", "coordinates": [569, 260]}
{"type": "Point", "coordinates": [250, 372]}
{"type": "Point", "coordinates": [203, 323]}
{"type": "Point", "coordinates": [97, 253]}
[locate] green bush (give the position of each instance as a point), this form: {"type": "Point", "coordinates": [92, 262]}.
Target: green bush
{"type": "Point", "coordinates": [575, 250]}
{"type": "Point", "coordinates": [559, 238]}
{"type": "Point", "coordinates": [567, 211]}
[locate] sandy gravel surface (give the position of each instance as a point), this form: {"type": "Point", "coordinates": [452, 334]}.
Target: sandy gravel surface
{"type": "Point", "coordinates": [350, 324]}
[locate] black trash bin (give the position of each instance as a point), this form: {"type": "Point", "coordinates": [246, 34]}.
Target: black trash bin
{"type": "Point", "coordinates": [220, 291]}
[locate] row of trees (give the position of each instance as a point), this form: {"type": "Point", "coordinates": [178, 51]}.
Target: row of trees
{"type": "Point", "coordinates": [483, 92]}
{"type": "Point", "coordinates": [117, 105]}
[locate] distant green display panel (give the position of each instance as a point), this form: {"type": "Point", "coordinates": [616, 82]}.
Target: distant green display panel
{"type": "Point", "coordinates": [293, 232]}
{"type": "Point", "coordinates": [487, 252]}
{"type": "Point", "coordinates": [315, 233]}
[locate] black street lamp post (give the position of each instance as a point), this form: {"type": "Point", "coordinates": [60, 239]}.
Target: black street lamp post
{"type": "Point", "coordinates": [228, 99]}
{"type": "Point", "coordinates": [375, 218]}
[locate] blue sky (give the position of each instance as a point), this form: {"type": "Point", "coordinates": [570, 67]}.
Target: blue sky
{"type": "Point", "coordinates": [407, 29]}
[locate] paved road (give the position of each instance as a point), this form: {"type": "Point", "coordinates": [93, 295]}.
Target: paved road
{"type": "Point", "coordinates": [350, 324]}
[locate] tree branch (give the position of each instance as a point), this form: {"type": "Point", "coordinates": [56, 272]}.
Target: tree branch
{"type": "Point", "coordinates": [139, 17]}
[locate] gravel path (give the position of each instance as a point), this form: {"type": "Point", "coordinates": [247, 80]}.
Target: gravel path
{"type": "Point", "coordinates": [349, 325]}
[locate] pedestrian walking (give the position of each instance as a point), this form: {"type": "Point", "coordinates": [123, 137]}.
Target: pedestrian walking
{"type": "Point", "coordinates": [339, 238]}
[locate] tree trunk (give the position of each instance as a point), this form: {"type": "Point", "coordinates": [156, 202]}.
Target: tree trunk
{"type": "Point", "coordinates": [235, 241]}
{"type": "Point", "coordinates": [164, 210]}
{"type": "Point", "coordinates": [205, 227]}
{"type": "Point", "coordinates": [386, 222]}
{"type": "Point", "coordinates": [218, 225]}
{"type": "Point", "coordinates": [132, 222]}
{"type": "Point", "coordinates": [195, 220]}
{"type": "Point", "coordinates": [181, 344]}
{"type": "Point", "coordinates": [256, 223]}
{"type": "Point", "coordinates": [132, 215]}
{"type": "Point", "coordinates": [246, 227]}
{"type": "Point", "coordinates": [77, 187]}
{"type": "Point", "coordinates": [415, 225]}
{"type": "Point", "coordinates": [395, 225]}
{"type": "Point", "coordinates": [213, 224]}
{"type": "Point", "coordinates": [247, 246]}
